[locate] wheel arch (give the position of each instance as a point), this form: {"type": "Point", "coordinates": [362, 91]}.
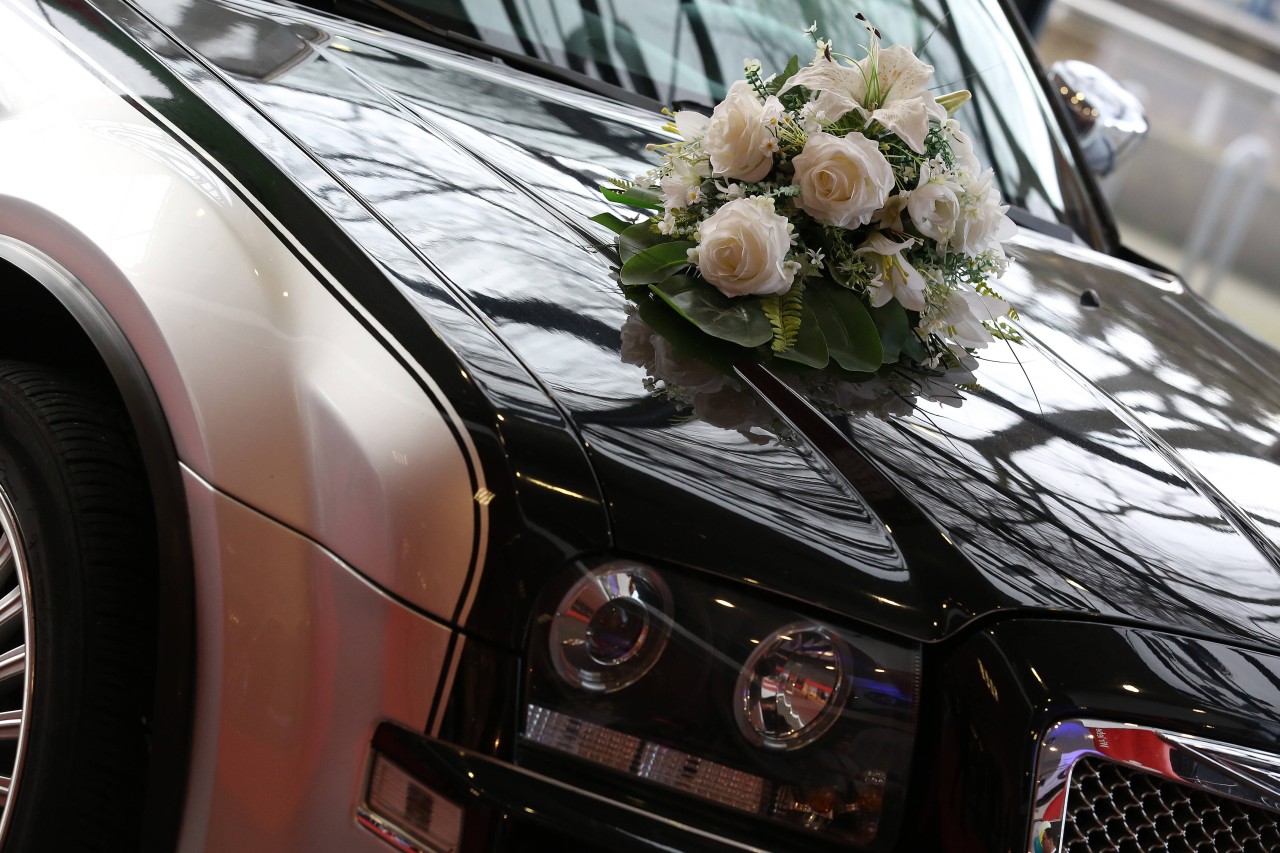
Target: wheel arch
{"type": "Point", "coordinates": [52, 315]}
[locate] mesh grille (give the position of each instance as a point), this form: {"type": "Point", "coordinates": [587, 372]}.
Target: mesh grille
{"type": "Point", "coordinates": [1112, 807]}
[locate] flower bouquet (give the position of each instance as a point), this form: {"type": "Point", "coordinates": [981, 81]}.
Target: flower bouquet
{"type": "Point", "coordinates": [832, 216]}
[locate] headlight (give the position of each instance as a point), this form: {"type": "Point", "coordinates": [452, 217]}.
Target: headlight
{"type": "Point", "coordinates": [793, 687]}
{"type": "Point", "coordinates": [611, 627]}
{"type": "Point", "coordinates": [721, 699]}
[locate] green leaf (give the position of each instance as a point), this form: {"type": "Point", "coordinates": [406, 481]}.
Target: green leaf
{"type": "Point", "coordinates": [851, 334]}
{"type": "Point", "coordinates": [636, 238]}
{"type": "Point", "coordinates": [656, 263]}
{"type": "Point", "coordinates": [914, 349]}
{"type": "Point", "coordinates": [775, 85]}
{"type": "Point", "coordinates": [688, 339]}
{"type": "Point", "coordinates": [811, 347]}
{"type": "Point", "coordinates": [634, 197]}
{"type": "Point", "coordinates": [738, 320]}
{"type": "Point", "coordinates": [895, 329]}
{"type": "Point", "coordinates": [613, 223]}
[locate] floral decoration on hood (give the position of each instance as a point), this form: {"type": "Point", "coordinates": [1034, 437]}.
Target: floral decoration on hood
{"type": "Point", "coordinates": [832, 216]}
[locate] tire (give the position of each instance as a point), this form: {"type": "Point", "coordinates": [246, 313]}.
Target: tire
{"type": "Point", "coordinates": [78, 582]}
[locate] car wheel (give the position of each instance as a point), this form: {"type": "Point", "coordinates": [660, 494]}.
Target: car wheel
{"type": "Point", "coordinates": [76, 616]}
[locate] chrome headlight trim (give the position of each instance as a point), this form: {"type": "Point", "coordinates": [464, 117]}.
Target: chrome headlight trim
{"type": "Point", "coordinates": [611, 627]}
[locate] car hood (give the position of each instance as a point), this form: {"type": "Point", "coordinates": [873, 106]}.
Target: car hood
{"type": "Point", "coordinates": [1121, 462]}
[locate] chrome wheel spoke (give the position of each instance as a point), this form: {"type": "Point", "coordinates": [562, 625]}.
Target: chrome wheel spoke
{"type": "Point", "coordinates": [13, 663]}
{"type": "Point", "coordinates": [5, 784]}
{"type": "Point", "coordinates": [10, 607]}
{"type": "Point", "coordinates": [10, 725]}
{"type": "Point", "coordinates": [6, 558]}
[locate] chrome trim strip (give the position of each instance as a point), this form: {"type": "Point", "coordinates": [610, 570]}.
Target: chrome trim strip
{"type": "Point", "coordinates": [1240, 773]}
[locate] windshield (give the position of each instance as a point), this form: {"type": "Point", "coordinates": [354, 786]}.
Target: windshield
{"type": "Point", "coordinates": [686, 53]}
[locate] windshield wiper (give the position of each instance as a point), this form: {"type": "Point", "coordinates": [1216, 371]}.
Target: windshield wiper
{"type": "Point", "coordinates": [1024, 218]}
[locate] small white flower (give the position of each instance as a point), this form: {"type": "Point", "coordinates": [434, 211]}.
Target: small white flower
{"type": "Point", "coordinates": [731, 191]}
{"type": "Point", "coordinates": [982, 225]}
{"type": "Point", "coordinates": [682, 187]}
{"type": "Point", "coordinates": [751, 66]}
{"type": "Point", "coordinates": [816, 258]}
{"type": "Point", "coordinates": [811, 29]}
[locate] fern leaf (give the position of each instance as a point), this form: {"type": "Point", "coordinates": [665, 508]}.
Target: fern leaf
{"type": "Point", "coordinates": [792, 312]}
{"type": "Point", "coordinates": [771, 305]}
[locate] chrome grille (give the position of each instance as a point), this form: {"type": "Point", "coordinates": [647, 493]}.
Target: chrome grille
{"type": "Point", "coordinates": [1114, 807]}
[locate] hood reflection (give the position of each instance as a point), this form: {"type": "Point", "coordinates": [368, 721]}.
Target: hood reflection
{"type": "Point", "coordinates": [714, 395]}
{"type": "Point", "coordinates": [1121, 463]}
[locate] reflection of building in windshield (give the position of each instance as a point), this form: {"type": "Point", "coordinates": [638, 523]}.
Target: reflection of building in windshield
{"type": "Point", "coordinates": [250, 47]}
{"type": "Point", "coordinates": [686, 53]}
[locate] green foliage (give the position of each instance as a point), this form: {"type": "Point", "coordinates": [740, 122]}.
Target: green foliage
{"type": "Point", "coordinates": [851, 336]}
{"type": "Point", "coordinates": [896, 335]}
{"type": "Point", "coordinates": [775, 85]}
{"type": "Point", "coordinates": [636, 238]}
{"type": "Point", "coordinates": [784, 312]}
{"type": "Point", "coordinates": [738, 321]}
{"type": "Point", "coordinates": [613, 223]}
{"type": "Point", "coordinates": [634, 196]}
{"type": "Point", "coordinates": [810, 348]}
{"type": "Point", "coordinates": [656, 263]}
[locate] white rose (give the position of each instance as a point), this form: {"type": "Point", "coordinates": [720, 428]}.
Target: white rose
{"type": "Point", "coordinates": [934, 207]}
{"type": "Point", "coordinates": [738, 139]}
{"type": "Point", "coordinates": [742, 248]}
{"type": "Point", "coordinates": [843, 181]}
{"type": "Point", "coordinates": [637, 341]}
{"type": "Point", "coordinates": [691, 375]}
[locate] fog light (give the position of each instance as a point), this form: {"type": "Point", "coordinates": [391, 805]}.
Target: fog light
{"type": "Point", "coordinates": [611, 627]}
{"type": "Point", "coordinates": [793, 687]}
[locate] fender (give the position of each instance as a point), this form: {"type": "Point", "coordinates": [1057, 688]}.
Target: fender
{"type": "Point", "coordinates": [175, 616]}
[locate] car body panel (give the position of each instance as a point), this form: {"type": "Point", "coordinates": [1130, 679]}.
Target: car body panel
{"type": "Point", "coordinates": [1034, 520]}
{"type": "Point", "coordinates": [296, 666]}
{"type": "Point", "coordinates": [264, 377]}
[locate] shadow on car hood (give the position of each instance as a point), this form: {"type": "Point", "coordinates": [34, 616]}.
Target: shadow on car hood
{"type": "Point", "coordinates": [1123, 462]}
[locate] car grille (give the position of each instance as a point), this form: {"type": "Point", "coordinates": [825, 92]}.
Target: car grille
{"type": "Point", "coordinates": [1114, 807]}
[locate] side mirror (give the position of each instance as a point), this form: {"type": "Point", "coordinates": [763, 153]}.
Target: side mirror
{"type": "Point", "coordinates": [1109, 120]}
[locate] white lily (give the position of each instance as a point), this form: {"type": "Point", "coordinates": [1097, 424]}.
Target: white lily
{"type": "Point", "coordinates": [967, 311]}
{"type": "Point", "coordinates": [889, 86]}
{"type": "Point", "coordinates": [895, 276]}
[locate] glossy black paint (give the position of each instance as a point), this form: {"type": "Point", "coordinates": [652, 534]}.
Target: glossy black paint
{"type": "Point", "coordinates": [1109, 470]}
{"type": "Point", "coordinates": [1097, 470]}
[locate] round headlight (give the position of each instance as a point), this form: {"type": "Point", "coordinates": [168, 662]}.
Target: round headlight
{"type": "Point", "coordinates": [793, 687]}
{"type": "Point", "coordinates": [611, 627]}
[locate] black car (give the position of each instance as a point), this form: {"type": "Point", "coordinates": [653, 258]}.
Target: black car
{"type": "Point", "coordinates": [343, 507]}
